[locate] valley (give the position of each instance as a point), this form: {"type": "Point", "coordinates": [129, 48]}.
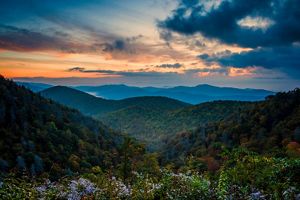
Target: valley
{"type": "Point", "coordinates": [146, 139]}
{"type": "Point", "coordinates": [149, 100]}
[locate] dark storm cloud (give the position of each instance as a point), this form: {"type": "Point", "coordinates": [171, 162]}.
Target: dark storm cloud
{"type": "Point", "coordinates": [285, 59]}
{"type": "Point", "coordinates": [221, 22]}
{"type": "Point", "coordinates": [275, 46]}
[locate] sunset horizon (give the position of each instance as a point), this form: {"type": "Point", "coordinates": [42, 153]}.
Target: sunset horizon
{"type": "Point", "coordinates": [150, 43]}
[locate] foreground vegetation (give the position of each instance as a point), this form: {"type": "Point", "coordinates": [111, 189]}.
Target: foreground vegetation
{"type": "Point", "coordinates": [245, 175]}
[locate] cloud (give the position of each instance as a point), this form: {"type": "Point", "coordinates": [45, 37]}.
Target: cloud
{"type": "Point", "coordinates": [174, 66]}
{"type": "Point", "coordinates": [270, 28]}
{"type": "Point", "coordinates": [13, 38]}
{"type": "Point", "coordinates": [220, 70]}
{"type": "Point", "coordinates": [126, 73]}
{"type": "Point", "coordinates": [132, 49]}
{"type": "Point", "coordinates": [120, 45]}
{"type": "Point", "coordinates": [224, 22]}
{"type": "Point", "coordinates": [285, 59]}
{"type": "Point", "coordinates": [74, 69]}
{"type": "Point", "coordinates": [100, 71]}
{"type": "Point", "coordinates": [23, 40]}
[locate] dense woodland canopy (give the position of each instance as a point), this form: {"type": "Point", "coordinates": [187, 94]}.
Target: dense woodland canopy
{"type": "Point", "coordinates": [39, 135]}
{"type": "Point", "coordinates": [156, 125]}
{"type": "Point", "coordinates": [270, 126]}
{"type": "Point", "coordinates": [214, 150]}
{"type": "Point", "coordinates": [149, 119]}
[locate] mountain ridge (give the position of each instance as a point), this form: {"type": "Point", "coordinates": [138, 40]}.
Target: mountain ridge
{"type": "Point", "coordinates": [149, 119]}
{"type": "Point", "coordinates": [91, 105]}
{"type": "Point", "coordinates": [189, 94]}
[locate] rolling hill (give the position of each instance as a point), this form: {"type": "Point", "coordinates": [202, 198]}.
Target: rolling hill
{"type": "Point", "coordinates": [95, 106]}
{"type": "Point", "coordinates": [148, 119]}
{"type": "Point", "coordinates": [85, 103]}
{"type": "Point", "coordinates": [155, 126]}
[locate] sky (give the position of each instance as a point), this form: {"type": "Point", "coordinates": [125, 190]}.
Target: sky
{"type": "Point", "coordinates": [163, 43]}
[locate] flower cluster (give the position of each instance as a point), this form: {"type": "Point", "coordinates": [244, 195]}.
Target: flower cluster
{"type": "Point", "coordinates": [80, 188]}
{"type": "Point", "coordinates": [166, 186]}
{"type": "Point", "coordinates": [75, 190]}
{"type": "Point", "coordinates": [119, 188]}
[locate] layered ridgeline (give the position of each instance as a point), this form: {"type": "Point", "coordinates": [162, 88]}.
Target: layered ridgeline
{"type": "Point", "coordinates": [270, 126]}
{"type": "Point", "coordinates": [91, 105]}
{"type": "Point", "coordinates": [193, 95]}
{"type": "Point", "coordinates": [39, 135]}
{"type": "Point", "coordinates": [149, 119]}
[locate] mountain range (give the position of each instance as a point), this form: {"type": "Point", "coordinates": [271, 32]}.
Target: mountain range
{"type": "Point", "coordinates": [91, 105]}
{"type": "Point", "coordinates": [193, 95]}
{"type": "Point", "coordinates": [150, 119]}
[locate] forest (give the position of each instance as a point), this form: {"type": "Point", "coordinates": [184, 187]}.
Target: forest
{"type": "Point", "coordinates": [147, 148]}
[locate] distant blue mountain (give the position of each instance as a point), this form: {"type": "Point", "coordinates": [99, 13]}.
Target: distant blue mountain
{"type": "Point", "coordinates": [35, 87]}
{"type": "Point", "coordinates": [193, 95]}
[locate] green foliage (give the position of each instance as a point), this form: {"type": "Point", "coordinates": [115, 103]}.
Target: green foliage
{"type": "Point", "coordinates": [267, 127]}
{"type": "Point", "coordinates": [239, 150]}
{"type": "Point", "coordinates": [246, 172]}
{"type": "Point", "coordinates": [103, 186]}
{"type": "Point", "coordinates": [245, 175]}
{"type": "Point", "coordinates": [154, 124]}
{"type": "Point", "coordinates": [17, 188]}
{"type": "Point", "coordinates": [38, 135]}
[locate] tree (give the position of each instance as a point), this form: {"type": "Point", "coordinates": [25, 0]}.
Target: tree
{"type": "Point", "coordinates": [297, 134]}
{"type": "Point", "coordinates": [149, 164]}
{"type": "Point", "coordinates": [74, 161]}
{"type": "Point", "coordinates": [125, 159]}
{"type": "Point", "coordinates": [3, 165]}
{"type": "Point", "coordinates": [21, 165]}
{"type": "Point", "coordinates": [38, 164]}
